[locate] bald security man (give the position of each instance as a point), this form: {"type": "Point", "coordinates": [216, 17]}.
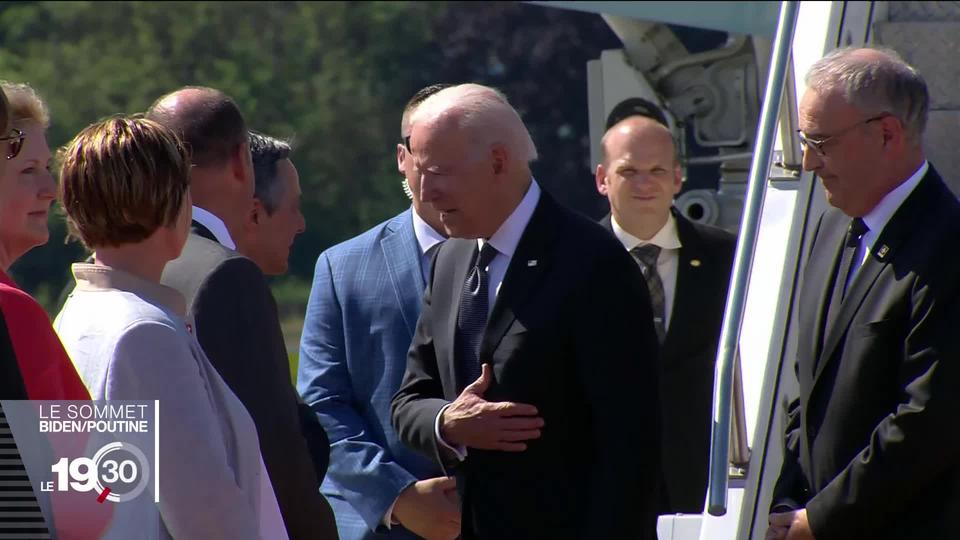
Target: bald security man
{"type": "Point", "coordinates": [686, 267]}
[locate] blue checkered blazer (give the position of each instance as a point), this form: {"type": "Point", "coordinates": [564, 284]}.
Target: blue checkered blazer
{"type": "Point", "coordinates": [360, 320]}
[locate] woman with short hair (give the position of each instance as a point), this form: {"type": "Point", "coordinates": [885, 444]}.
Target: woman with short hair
{"type": "Point", "coordinates": [124, 187]}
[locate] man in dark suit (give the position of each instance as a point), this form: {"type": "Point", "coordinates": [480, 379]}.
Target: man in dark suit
{"type": "Point", "coordinates": [360, 320]}
{"type": "Point", "coordinates": [532, 371]}
{"type": "Point", "coordinates": [871, 450]}
{"type": "Point", "coordinates": [686, 267]}
{"type": "Point", "coordinates": [234, 313]}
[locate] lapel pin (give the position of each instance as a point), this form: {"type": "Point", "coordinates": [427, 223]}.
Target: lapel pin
{"type": "Point", "coordinates": [532, 263]}
{"type": "Point", "coordinates": [883, 251]}
{"type": "Point", "coordinates": [694, 262]}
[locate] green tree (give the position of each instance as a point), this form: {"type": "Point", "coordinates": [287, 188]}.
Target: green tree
{"type": "Point", "coordinates": [333, 76]}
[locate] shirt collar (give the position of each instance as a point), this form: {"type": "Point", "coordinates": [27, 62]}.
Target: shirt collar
{"type": "Point", "coordinates": [427, 236]}
{"type": "Point", "coordinates": [507, 237]}
{"type": "Point", "coordinates": [877, 218]}
{"type": "Point", "coordinates": [666, 237]}
{"type": "Point", "coordinates": [215, 225]}
{"type": "Point", "coordinates": [96, 277]}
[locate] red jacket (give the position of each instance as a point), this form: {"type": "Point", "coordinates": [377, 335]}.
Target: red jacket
{"type": "Point", "coordinates": [48, 374]}
{"type": "Point", "coordinates": [47, 371]}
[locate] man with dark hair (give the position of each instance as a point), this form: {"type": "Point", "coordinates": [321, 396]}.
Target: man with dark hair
{"type": "Point", "coordinates": [234, 314]}
{"type": "Point", "coordinates": [360, 320]}
{"type": "Point", "coordinates": [275, 218]}
{"type": "Point", "coordinates": [686, 267]}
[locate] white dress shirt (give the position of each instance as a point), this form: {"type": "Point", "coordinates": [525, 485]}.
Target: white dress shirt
{"type": "Point", "coordinates": [428, 239]}
{"type": "Point", "coordinates": [505, 241]}
{"type": "Point", "coordinates": [215, 225]}
{"type": "Point", "coordinates": [667, 262]}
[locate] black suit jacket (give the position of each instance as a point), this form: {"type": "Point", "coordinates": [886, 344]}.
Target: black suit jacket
{"type": "Point", "coordinates": [236, 323]}
{"type": "Point", "coordinates": [687, 358]}
{"type": "Point", "coordinates": [872, 448]}
{"type": "Point", "coordinates": [571, 332]}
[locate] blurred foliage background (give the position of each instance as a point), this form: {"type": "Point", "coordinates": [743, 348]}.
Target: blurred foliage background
{"type": "Point", "coordinates": [333, 76]}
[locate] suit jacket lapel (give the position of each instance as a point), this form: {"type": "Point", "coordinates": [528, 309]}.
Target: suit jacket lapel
{"type": "Point", "coordinates": [884, 250]}
{"type": "Point", "coordinates": [458, 254]}
{"type": "Point", "coordinates": [606, 223]}
{"type": "Point", "coordinates": [523, 274]}
{"type": "Point", "coordinates": [689, 288]}
{"type": "Point", "coordinates": [402, 255]}
{"type": "Point", "coordinates": [861, 284]}
{"type": "Point", "coordinates": [824, 276]}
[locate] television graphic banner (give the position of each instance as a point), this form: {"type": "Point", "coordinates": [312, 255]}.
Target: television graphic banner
{"type": "Point", "coordinates": [80, 469]}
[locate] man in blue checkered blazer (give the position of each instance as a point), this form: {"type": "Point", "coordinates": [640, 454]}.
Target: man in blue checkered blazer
{"type": "Point", "coordinates": [360, 320]}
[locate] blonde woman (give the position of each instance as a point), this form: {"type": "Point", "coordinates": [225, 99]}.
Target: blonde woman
{"type": "Point", "coordinates": [27, 190]}
{"type": "Point", "coordinates": [124, 188]}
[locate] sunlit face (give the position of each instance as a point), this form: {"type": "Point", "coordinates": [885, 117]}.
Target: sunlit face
{"type": "Point", "coordinates": [641, 175]}
{"type": "Point", "coordinates": [455, 179]}
{"type": "Point", "coordinates": [27, 190]}
{"type": "Point", "coordinates": [852, 169]}
{"type": "Point", "coordinates": [407, 166]}
{"type": "Point", "coordinates": [273, 234]}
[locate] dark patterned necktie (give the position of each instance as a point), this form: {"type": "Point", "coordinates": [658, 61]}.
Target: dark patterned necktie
{"type": "Point", "coordinates": [472, 317]}
{"type": "Point", "coordinates": [20, 515]}
{"type": "Point", "coordinates": [848, 266]}
{"type": "Point", "coordinates": [846, 269]}
{"type": "Point", "coordinates": [646, 256]}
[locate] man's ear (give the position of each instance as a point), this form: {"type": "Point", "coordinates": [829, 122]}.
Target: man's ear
{"type": "Point", "coordinates": [677, 179]}
{"type": "Point", "coordinates": [499, 158]}
{"type": "Point", "coordinates": [401, 155]}
{"type": "Point", "coordinates": [242, 164]}
{"type": "Point", "coordinates": [601, 179]}
{"type": "Point", "coordinates": [257, 212]}
{"type": "Point", "coordinates": [894, 134]}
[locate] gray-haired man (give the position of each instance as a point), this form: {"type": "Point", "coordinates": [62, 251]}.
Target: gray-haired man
{"type": "Point", "coordinates": [871, 451]}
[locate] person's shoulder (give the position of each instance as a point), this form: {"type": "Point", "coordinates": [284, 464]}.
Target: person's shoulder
{"type": "Point", "coordinates": [588, 235]}
{"type": "Point", "coordinates": [942, 198]}
{"type": "Point", "coordinates": [714, 234]}
{"type": "Point", "coordinates": [711, 237]}
{"type": "Point", "coordinates": [22, 313]}
{"type": "Point", "coordinates": [202, 252]}
{"type": "Point", "coordinates": [369, 239]}
{"type": "Point", "coordinates": [17, 303]}
{"type": "Point", "coordinates": [237, 269]}
{"type": "Point", "coordinates": [204, 259]}
{"type": "Point", "coordinates": [110, 312]}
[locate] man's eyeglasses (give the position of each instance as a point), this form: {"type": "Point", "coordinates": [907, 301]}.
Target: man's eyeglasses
{"type": "Point", "coordinates": [817, 144]}
{"type": "Point", "coordinates": [406, 143]}
{"type": "Point", "coordinates": [14, 142]}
